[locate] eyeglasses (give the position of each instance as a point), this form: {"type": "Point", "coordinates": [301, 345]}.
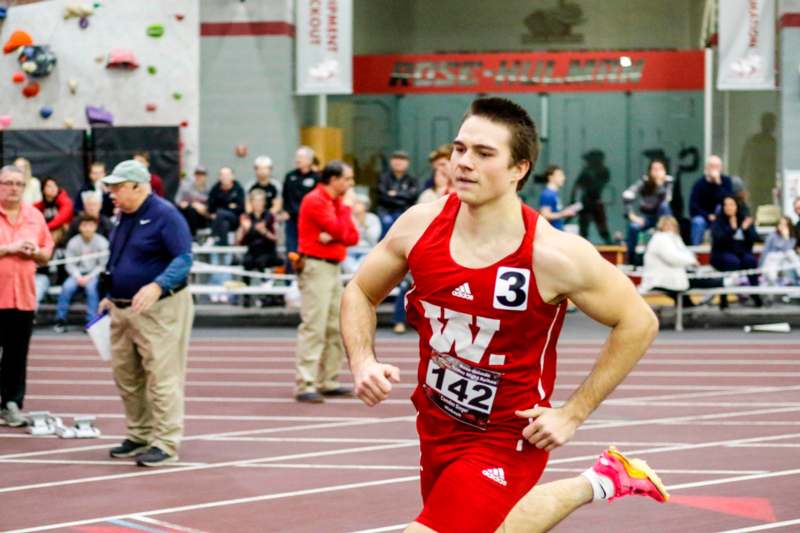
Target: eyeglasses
{"type": "Point", "coordinates": [20, 184]}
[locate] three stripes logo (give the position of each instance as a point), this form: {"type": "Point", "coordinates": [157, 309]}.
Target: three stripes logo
{"type": "Point", "coordinates": [496, 474]}
{"type": "Point", "coordinates": [463, 291]}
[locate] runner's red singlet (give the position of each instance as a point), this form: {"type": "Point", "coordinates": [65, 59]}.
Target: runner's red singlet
{"type": "Point", "coordinates": [487, 348]}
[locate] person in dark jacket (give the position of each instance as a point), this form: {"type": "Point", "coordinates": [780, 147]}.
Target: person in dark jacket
{"type": "Point", "coordinates": [588, 190]}
{"type": "Point", "coordinates": [97, 171]}
{"type": "Point", "coordinates": [706, 198]}
{"type": "Point", "coordinates": [733, 235]}
{"type": "Point", "coordinates": [56, 206]}
{"type": "Point", "coordinates": [296, 185]}
{"type": "Point", "coordinates": [257, 232]}
{"type": "Point", "coordinates": [397, 190]}
{"type": "Point", "coordinates": [225, 205]}
{"type": "Point", "coordinates": [645, 202]}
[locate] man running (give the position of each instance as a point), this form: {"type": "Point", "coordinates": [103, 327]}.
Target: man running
{"type": "Point", "coordinates": [491, 282]}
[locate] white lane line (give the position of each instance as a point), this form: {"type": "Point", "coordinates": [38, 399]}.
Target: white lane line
{"type": "Point", "coordinates": [689, 418]}
{"type": "Point", "coordinates": [708, 394]}
{"type": "Point", "coordinates": [764, 527]}
{"type": "Point", "coordinates": [168, 525]}
{"type": "Point", "coordinates": [384, 529]}
{"type": "Point", "coordinates": [208, 399]}
{"type": "Point", "coordinates": [221, 503]}
{"type": "Point", "coordinates": [332, 466]}
{"type": "Point", "coordinates": [770, 445]}
{"type": "Point", "coordinates": [68, 462]}
{"type": "Point", "coordinates": [635, 402]}
{"type": "Point", "coordinates": [735, 479]}
{"type": "Point", "coordinates": [226, 434]}
{"type": "Point", "coordinates": [333, 440]}
{"type": "Point", "coordinates": [209, 466]}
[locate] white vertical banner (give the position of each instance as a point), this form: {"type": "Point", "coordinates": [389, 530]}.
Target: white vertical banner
{"type": "Point", "coordinates": [746, 45]}
{"type": "Point", "coordinates": [324, 47]}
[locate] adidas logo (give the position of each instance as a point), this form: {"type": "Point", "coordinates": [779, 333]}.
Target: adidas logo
{"type": "Point", "coordinates": [496, 474]}
{"type": "Point", "coordinates": [462, 291]}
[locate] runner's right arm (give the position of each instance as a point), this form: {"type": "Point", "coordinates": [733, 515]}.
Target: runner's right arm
{"type": "Point", "coordinates": [382, 270]}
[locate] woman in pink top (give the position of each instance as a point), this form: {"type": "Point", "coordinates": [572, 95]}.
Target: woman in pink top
{"type": "Point", "coordinates": [25, 242]}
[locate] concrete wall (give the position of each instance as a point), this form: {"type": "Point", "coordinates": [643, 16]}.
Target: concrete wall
{"type": "Point", "coordinates": [247, 89]}
{"type": "Point", "coordinates": [117, 23]}
{"type": "Point", "coordinates": [418, 26]}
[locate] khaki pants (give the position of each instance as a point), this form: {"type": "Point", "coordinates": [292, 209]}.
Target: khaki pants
{"type": "Point", "coordinates": [319, 345]}
{"type": "Point", "coordinates": [148, 358]}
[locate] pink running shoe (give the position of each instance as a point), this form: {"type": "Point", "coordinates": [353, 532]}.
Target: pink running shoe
{"type": "Point", "coordinates": [630, 476]}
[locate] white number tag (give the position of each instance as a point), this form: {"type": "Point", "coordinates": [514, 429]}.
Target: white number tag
{"type": "Point", "coordinates": [462, 391]}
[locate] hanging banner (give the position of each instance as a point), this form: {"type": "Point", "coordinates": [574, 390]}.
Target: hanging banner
{"type": "Point", "coordinates": [529, 72]}
{"type": "Point", "coordinates": [746, 45]}
{"type": "Point", "coordinates": [324, 47]}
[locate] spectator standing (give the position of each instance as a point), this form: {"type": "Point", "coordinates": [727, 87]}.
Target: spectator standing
{"type": "Point", "coordinates": [97, 171]}
{"type": "Point", "coordinates": [92, 207]}
{"type": "Point", "coordinates": [86, 255]}
{"type": "Point", "coordinates": [397, 190]}
{"type": "Point", "coordinates": [733, 235]}
{"type": "Point", "coordinates": [156, 181]}
{"type": "Point", "coordinates": [33, 188]}
{"type": "Point", "coordinates": [645, 202]}
{"type": "Point", "coordinates": [192, 200]}
{"type": "Point", "coordinates": [778, 253]}
{"type": "Point", "coordinates": [25, 242]}
{"type": "Point", "coordinates": [588, 189]}
{"type": "Point", "coordinates": [151, 315]}
{"type": "Point", "coordinates": [550, 206]}
{"type": "Point", "coordinates": [56, 207]}
{"type": "Point", "coordinates": [296, 185]}
{"type": "Point", "coordinates": [706, 198]}
{"type": "Point", "coordinates": [263, 170]}
{"type": "Point", "coordinates": [326, 229]}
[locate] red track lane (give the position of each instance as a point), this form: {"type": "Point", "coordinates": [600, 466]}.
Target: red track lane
{"type": "Point", "coordinates": [716, 425]}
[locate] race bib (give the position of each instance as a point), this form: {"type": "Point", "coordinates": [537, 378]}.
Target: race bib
{"type": "Point", "coordinates": [461, 390]}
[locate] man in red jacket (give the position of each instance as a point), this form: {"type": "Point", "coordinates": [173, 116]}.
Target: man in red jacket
{"type": "Point", "coordinates": [325, 230]}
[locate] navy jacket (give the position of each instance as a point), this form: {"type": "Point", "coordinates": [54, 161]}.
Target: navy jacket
{"type": "Point", "coordinates": [706, 196]}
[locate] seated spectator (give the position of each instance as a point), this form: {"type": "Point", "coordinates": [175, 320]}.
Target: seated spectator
{"type": "Point", "coordinates": [441, 180]}
{"type": "Point", "coordinates": [706, 198]}
{"type": "Point", "coordinates": [156, 181]}
{"type": "Point", "coordinates": [263, 170]}
{"type": "Point", "coordinates": [56, 208]}
{"type": "Point", "coordinates": [733, 235]}
{"type": "Point", "coordinates": [225, 205]}
{"type": "Point", "coordinates": [666, 260]}
{"type": "Point", "coordinates": [192, 200]}
{"type": "Point", "coordinates": [550, 206]}
{"type": "Point", "coordinates": [797, 213]}
{"type": "Point", "coordinates": [650, 196]}
{"type": "Point", "coordinates": [92, 207]}
{"type": "Point", "coordinates": [369, 231]}
{"type": "Point", "coordinates": [33, 189]}
{"type": "Point", "coordinates": [397, 190]}
{"type": "Point", "coordinates": [97, 171]}
{"type": "Point", "coordinates": [84, 248]}
{"type": "Point", "coordinates": [778, 254]}
{"type": "Point", "coordinates": [257, 232]}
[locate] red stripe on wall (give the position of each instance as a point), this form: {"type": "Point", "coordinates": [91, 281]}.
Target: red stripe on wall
{"type": "Point", "coordinates": [790, 20]}
{"type": "Point", "coordinates": [235, 29]}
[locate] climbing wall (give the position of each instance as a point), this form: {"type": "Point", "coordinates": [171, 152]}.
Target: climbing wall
{"type": "Point", "coordinates": [162, 38]}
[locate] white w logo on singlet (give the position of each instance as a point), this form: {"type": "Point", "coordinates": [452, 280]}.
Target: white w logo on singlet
{"type": "Point", "coordinates": [451, 327]}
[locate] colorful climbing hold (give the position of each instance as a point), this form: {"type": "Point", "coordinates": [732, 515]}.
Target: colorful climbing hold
{"type": "Point", "coordinates": [5, 121]}
{"type": "Point", "coordinates": [122, 58]}
{"type": "Point", "coordinates": [3, 12]}
{"type": "Point", "coordinates": [45, 112]}
{"type": "Point", "coordinates": [179, 16]}
{"type": "Point", "coordinates": [151, 107]}
{"type": "Point", "coordinates": [155, 30]}
{"type": "Point", "coordinates": [31, 90]}
{"type": "Point", "coordinates": [83, 23]}
{"type": "Point", "coordinates": [241, 150]}
{"type": "Point", "coordinates": [17, 39]}
{"type": "Point", "coordinates": [18, 77]}
{"type": "Point", "coordinates": [73, 86]}
{"type": "Point", "coordinates": [177, 95]}
{"type": "Point", "coordinates": [96, 5]}
{"type": "Point", "coordinates": [184, 123]}
{"type": "Point", "coordinates": [78, 11]}
{"type": "Point", "coordinates": [69, 123]}
{"type": "Point", "coordinates": [37, 60]}
{"type": "Point", "coordinates": [151, 69]}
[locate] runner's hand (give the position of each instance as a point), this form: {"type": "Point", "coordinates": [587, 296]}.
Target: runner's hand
{"type": "Point", "coordinates": [373, 381]}
{"type": "Point", "coordinates": [549, 428]}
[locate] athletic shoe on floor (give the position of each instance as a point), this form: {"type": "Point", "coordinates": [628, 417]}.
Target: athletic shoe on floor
{"type": "Point", "coordinates": [12, 416]}
{"type": "Point", "coordinates": [399, 328]}
{"type": "Point", "coordinates": [60, 327]}
{"type": "Point", "coordinates": [155, 457]}
{"type": "Point", "coordinates": [128, 448]}
{"type": "Point", "coordinates": [309, 397]}
{"type": "Point", "coordinates": [630, 476]}
{"type": "Point", "coordinates": [339, 392]}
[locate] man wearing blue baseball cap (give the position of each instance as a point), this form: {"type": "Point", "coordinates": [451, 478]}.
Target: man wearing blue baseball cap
{"type": "Point", "coordinates": [151, 314]}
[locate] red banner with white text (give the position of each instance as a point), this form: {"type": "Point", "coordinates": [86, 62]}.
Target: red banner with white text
{"type": "Point", "coordinates": [528, 72]}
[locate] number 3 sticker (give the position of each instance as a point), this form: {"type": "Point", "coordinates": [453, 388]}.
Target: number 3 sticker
{"type": "Point", "coordinates": [511, 288]}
